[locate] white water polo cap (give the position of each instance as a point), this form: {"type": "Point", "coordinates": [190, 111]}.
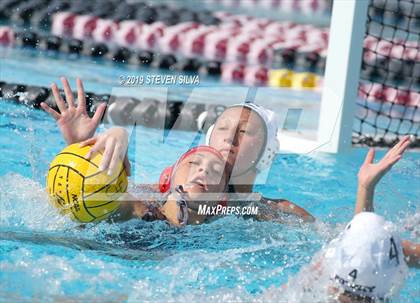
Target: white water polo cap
{"type": "Point", "coordinates": [271, 143]}
{"type": "Point", "coordinates": [367, 259]}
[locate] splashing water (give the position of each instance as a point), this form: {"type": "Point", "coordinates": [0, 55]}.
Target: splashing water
{"type": "Point", "coordinates": [231, 259]}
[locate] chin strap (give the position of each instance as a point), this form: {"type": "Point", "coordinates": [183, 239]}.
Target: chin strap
{"type": "Point", "coordinates": [183, 206]}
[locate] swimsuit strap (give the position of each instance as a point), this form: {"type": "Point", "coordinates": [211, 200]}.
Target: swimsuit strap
{"type": "Point", "coordinates": [183, 206]}
{"type": "Point", "coordinates": [231, 188]}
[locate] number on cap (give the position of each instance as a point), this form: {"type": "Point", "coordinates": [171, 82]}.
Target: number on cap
{"type": "Point", "coordinates": [393, 251]}
{"type": "Point", "coordinates": [353, 274]}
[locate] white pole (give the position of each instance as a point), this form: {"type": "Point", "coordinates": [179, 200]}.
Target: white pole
{"type": "Point", "coordinates": [341, 80]}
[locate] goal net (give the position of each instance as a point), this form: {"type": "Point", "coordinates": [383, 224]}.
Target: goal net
{"type": "Point", "coordinates": [389, 89]}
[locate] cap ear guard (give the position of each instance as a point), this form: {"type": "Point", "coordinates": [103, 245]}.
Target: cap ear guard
{"type": "Point", "coordinates": [208, 134]}
{"type": "Point", "coordinates": [272, 144]}
{"type": "Point", "coordinates": [165, 179]}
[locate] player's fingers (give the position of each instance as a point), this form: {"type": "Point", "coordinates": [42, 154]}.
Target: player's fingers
{"type": "Point", "coordinates": [99, 113]}
{"type": "Point", "coordinates": [395, 160]}
{"type": "Point", "coordinates": [81, 98]}
{"type": "Point", "coordinates": [392, 153]}
{"type": "Point", "coordinates": [397, 147]}
{"type": "Point", "coordinates": [58, 100]}
{"type": "Point", "coordinates": [49, 110]}
{"type": "Point", "coordinates": [108, 152]}
{"type": "Point", "coordinates": [89, 141]}
{"type": "Point", "coordinates": [404, 146]}
{"type": "Point", "coordinates": [68, 92]}
{"type": "Point", "coordinates": [97, 146]}
{"type": "Point", "coordinates": [370, 156]}
{"type": "Point", "coordinates": [404, 139]}
{"type": "Point", "coordinates": [386, 165]}
{"type": "Point", "coordinates": [115, 160]}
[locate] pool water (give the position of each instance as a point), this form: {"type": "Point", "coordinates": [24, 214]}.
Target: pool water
{"type": "Point", "coordinates": [47, 257]}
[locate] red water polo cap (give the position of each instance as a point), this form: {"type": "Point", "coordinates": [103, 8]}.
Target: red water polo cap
{"type": "Point", "coordinates": [166, 175]}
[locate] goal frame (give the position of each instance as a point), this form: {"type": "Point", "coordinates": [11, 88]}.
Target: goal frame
{"type": "Point", "coordinates": [340, 86]}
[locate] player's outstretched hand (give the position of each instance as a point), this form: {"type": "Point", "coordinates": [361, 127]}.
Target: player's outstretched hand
{"type": "Point", "coordinates": [74, 122]}
{"type": "Point", "coordinates": [114, 144]}
{"type": "Point", "coordinates": [370, 173]}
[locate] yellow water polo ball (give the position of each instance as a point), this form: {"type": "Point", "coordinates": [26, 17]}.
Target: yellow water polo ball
{"type": "Point", "coordinates": [78, 188]}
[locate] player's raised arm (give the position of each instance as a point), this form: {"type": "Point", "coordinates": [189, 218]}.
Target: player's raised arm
{"type": "Point", "coordinates": [370, 173]}
{"type": "Point", "coordinates": [74, 122]}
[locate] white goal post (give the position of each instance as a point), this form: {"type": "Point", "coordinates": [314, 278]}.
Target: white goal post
{"type": "Point", "coordinates": [341, 81]}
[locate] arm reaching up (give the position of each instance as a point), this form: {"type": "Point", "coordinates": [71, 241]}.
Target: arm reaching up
{"type": "Point", "coordinates": [74, 122]}
{"type": "Point", "coordinates": [370, 173]}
